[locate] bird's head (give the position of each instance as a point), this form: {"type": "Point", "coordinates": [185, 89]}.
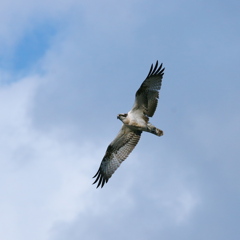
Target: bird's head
{"type": "Point", "coordinates": [121, 116]}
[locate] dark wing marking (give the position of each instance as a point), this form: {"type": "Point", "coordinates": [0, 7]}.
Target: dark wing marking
{"type": "Point", "coordinates": [116, 153]}
{"type": "Point", "coordinates": [146, 98]}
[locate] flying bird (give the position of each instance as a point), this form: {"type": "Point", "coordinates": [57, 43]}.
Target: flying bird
{"type": "Point", "coordinates": [134, 123]}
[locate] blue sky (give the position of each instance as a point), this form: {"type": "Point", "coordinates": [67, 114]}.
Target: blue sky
{"type": "Point", "coordinates": [67, 68]}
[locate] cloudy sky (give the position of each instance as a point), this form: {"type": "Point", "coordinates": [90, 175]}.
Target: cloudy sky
{"type": "Point", "coordinates": [67, 68]}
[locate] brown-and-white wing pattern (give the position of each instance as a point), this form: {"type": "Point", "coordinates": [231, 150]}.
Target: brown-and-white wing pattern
{"type": "Point", "coordinates": [146, 98]}
{"type": "Point", "coordinates": [116, 153]}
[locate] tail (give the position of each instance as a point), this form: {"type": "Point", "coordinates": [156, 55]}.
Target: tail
{"type": "Point", "coordinates": [152, 129]}
{"type": "Point", "coordinates": [157, 132]}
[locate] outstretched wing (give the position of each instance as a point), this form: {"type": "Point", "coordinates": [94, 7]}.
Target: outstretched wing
{"type": "Point", "coordinates": [116, 153]}
{"type": "Point", "coordinates": [146, 98]}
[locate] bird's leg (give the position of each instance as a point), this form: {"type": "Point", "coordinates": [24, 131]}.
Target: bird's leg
{"type": "Point", "coordinates": [152, 129]}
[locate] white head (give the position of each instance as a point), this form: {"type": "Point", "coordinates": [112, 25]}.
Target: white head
{"type": "Point", "coordinates": [122, 116]}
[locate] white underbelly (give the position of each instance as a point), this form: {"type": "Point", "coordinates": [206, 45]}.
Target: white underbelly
{"type": "Point", "coordinates": [137, 120]}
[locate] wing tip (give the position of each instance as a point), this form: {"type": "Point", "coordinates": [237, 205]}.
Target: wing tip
{"type": "Point", "coordinates": [156, 70]}
{"type": "Point", "coordinates": [100, 179]}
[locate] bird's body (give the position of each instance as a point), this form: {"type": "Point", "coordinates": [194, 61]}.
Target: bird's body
{"type": "Point", "coordinates": [137, 121]}
{"type": "Point", "coordinates": [134, 123]}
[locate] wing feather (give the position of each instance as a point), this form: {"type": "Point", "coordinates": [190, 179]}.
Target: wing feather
{"type": "Point", "coordinates": [146, 98]}
{"type": "Point", "coordinates": [116, 153]}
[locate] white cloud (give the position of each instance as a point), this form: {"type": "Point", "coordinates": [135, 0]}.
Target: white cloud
{"type": "Point", "coordinates": [181, 205]}
{"type": "Point", "coordinates": [42, 177]}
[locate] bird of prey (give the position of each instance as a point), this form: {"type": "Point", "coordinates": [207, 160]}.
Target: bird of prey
{"type": "Point", "coordinates": [134, 123]}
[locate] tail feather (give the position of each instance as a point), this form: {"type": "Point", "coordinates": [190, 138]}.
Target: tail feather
{"type": "Point", "coordinates": [152, 129]}
{"type": "Point", "coordinates": [157, 132]}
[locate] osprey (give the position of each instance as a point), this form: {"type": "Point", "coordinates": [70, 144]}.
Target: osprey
{"type": "Point", "coordinates": [134, 123]}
